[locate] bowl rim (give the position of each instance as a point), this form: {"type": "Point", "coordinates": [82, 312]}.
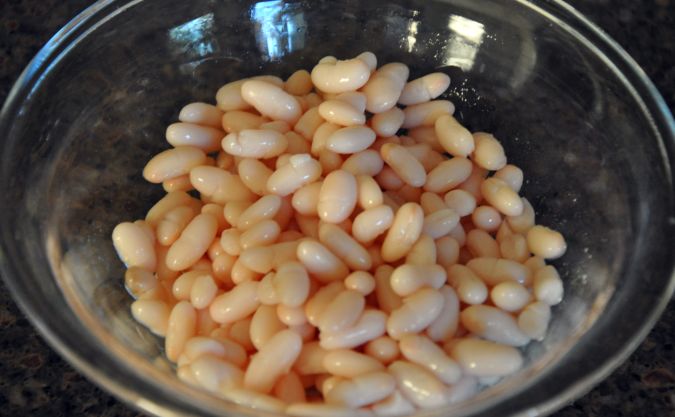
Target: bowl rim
{"type": "Point", "coordinates": [557, 11]}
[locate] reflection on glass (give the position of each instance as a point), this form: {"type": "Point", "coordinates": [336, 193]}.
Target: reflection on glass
{"type": "Point", "coordinates": [280, 28]}
{"type": "Point", "coordinates": [412, 34]}
{"type": "Point", "coordinates": [466, 41]}
{"type": "Point", "coordinates": [194, 37]}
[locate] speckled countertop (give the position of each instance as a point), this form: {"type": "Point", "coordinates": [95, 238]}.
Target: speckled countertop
{"type": "Point", "coordinates": [35, 381]}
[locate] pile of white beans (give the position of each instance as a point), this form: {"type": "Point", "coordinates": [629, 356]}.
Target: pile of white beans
{"type": "Point", "coordinates": [354, 250]}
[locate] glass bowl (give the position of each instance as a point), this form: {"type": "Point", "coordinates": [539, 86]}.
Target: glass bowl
{"type": "Point", "coordinates": [593, 136]}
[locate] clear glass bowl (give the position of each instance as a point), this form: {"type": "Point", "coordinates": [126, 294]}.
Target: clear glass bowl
{"type": "Point", "coordinates": [572, 109]}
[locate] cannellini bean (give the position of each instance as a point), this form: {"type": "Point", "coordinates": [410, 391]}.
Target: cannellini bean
{"type": "Point", "coordinates": [192, 243]}
{"type": "Point", "coordinates": [470, 289]}
{"type": "Point", "coordinates": [340, 76]}
{"type": "Point", "coordinates": [263, 233]}
{"type": "Point", "coordinates": [254, 175]}
{"type": "Point", "coordinates": [370, 194]}
{"type": "Point", "coordinates": [453, 137]}
{"type": "Point", "coordinates": [289, 389]}
{"type": "Point", "coordinates": [351, 139]}
{"type": "Point", "coordinates": [426, 135]}
{"type": "Point", "coordinates": [424, 352]}
{"type": "Point", "coordinates": [534, 319]}
{"type": "Point", "coordinates": [321, 136]}
{"type": "Point", "coordinates": [355, 99]}
{"type": "Point", "coordinates": [259, 143]}
{"type": "Point", "coordinates": [264, 259]}
{"type": "Point", "coordinates": [202, 114]}
{"type": "Point", "coordinates": [389, 180]}
{"type": "Point", "coordinates": [360, 281]}
{"type": "Point", "coordinates": [445, 325]}
{"type": "Point", "coordinates": [394, 405]}
{"type": "Point", "coordinates": [240, 332]}
{"type": "Point", "coordinates": [384, 87]}
{"type": "Point", "coordinates": [408, 278]}
{"type": "Point", "coordinates": [425, 155]}
{"type": "Point", "coordinates": [523, 222]}
{"type": "Point", "coordinates": [404, 164]}
{"type": "Point", "coordinates": [229, 97]}
{"type": "Point", "coordinates": [230, 241]}
{"type": "Point", "coordinates": [341, 312]}
{"type": "Point", "coordinates": [349, 364]}
{"type": "Point", "coordinates": [387, 123]}
{"type": "Point", "coordinates": [234, 209]}
{"type": "Point", "coordinates": [512, 175]}
{"type": "Point", "coordinates": [464, 389]}
{"type": "Point", "coordinates": [181, 183]}
{"type": "Point", "coordinates": [425, 114]}
{"type": "Point", "coordinates": [153, 314]}
{"type": "Point", "coordinates": [514, 247]}
{"type": "Point", "coordinates": [373, 222]}
{"type": "Point", "coordinates": [321, 262]}
{"type": "Point", "coordinates": [264, 325]}
{"type": "Point", "coordinates": [218, 212]}
{"type": "Point", "coordinates": [173, 223]}
{"type": "Point", "coordinates": [236, 304]}
{"type": "Point", "coordinates": [341, 113]}
{"type": "Point", "coordinates": [431, 202]}
{"type": "Point", "coordinates": [423, 251]}
{"type": "Point", "coordinates": [440, 223]}
{"type": "Point", "coordinates": [291, 284]}
{"type": "Point", "coordinates": [189, 134]}
{"type": "Point", "coordinates": [493, 324]}
{"type": "Point", "coordinates": [474, 182]}
{"type": "Point", "coordinates": [219, 185]}
{"type": "Point", "coordinates": [403, 233]}
{"type": "Point", "coordinates": [134, 246]}
{"type": "Point", "coordinates": [448, 175]}
{"type": "Point", "coordinates": [369, 58]}
{"type": "Point", "coordinates": [418, 311]}
{"type": "Point", "coordinates": [308, 124]}
{"type": "Point", "coordinates": [370, 326]}
{"type": "Point", "coordinates": [299, 83]}
{"type": "Point", "coordinates": [308, 225]}
{"type": "Point", "coordinates": [424, 88]}
{"type": "Point", "coordinates": [173, 163]}
{"type": "Point", "coordinates": [169, 202]}
{"type": "Point", "coordinates": [481, 244]}
{"type": "Point", "coordinates": [252, 399]}
{"type": "Point", "coordinates": [310, 360]}
{"type": "Point", "coordinates": [384, 349]}
{"type": "Point", "coordinates": [295, 318]}
{"type": "Point", "coordinates": [213, 373]}
{"type": "Point", "coordinates": [181, 327]}
{"type": "Point", "coordinates": [344, 246]}
{"type": "Point", "coordinates": [494, 271]}
{"type": "Point", "coordinates": [301, 169]}
{"type": "Point", "coordinates": [237, 120]}
{"type": "Point", "coordinates": [264, 209]}
{"type": "Point", "coordinates": [337, 197]}
{"type": "Point", "coordinates": [330, 161]}
{"type": "Point", "coordinates": [362, 390]}
{"type": "Point", "coordinates": [486, 218]}
{"type": "Point", "coordinates": [387, 299]}
{"type": "Point", "coordinates": [418, 385]}
{"type": "Point", "coordinates": [366, 163]}
{"type": "Point", "coordinates": [464, 203]}
{"type": "Point", "coordinates": [546, 243]}
{"type": "Point", "coordinates": [306, 199]}
{"type": "Point", "coordinates": [278, 126]}
{"type": "Point", "coordinates": [488, 152]}
{"type": "Point", "coordinates": [548, 286]}
{"type": "Point", "coordinates": [502, 197]}
{"type": "Point", "coordinates": [272, 361]}
{"type": "Point", "coordinates": [510, 296]}
{"type": "Point", "coordinates": [447, 251]}
{"type": "Point", "coordinates": [241, 273]}
{"type": "Point", "coordinates": [203, 291]}
{"type": "Point", "coordinates": [484, 358]}
{"type": "Point", "coordinates": [271, 101]}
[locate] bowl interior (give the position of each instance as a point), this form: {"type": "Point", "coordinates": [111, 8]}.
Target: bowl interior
{"type": "Point", "coordinates": [84, 125]}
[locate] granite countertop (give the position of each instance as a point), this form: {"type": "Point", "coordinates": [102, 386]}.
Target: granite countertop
{"type": "Point", "coordinates": [35, 381]}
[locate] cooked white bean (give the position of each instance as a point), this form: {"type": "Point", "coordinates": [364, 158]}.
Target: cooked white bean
{"type": "Point", "coordinates": [470, 289]}
{"type": "Point", "coordinates": [548, 286]}
{"type": "Point", "coordinates": [173, 163]}
{"type": "Point", "coordinates": [424, 88]}
{"type": "Point", "coordinates": [448, 175]}
{"type": "Point", "coordinates": [424, 352]}
{"type": "Point", "coordinates": [133, 246]}
{"type": "Point", "coordinates": [349, 364]}
{"type": "Point", "coordinates": [321, 262]}
{"type": "Point", "coordinates": [351, 139]}
{"type": "Point", "coordinates": [418, 385]}
{"type": "Point", "coordinates": [153, 314]}
{"type": "Point", "coordinates": [484, 358]}
{"type": "Point", "coordinates": [337, 197]}
{"type": "Point", "coordinates": [301, 169]}
{"type": "Point", "coordinates": [299, 83]}
{"type": "Point", "coordinates": [440, 223]}
{"type": "Point", "coordinates": [271, 101]}
{"type": "Point", "coordinates": [404, 164]}
{"type": "Point", "coordinates": [193, 242]}
{"type": "Point", "coordinates": [181, 327]}
{"type": "Point", "coordinates": [255, 143]}
{"type": "Point", "coordinates": [493, 324]}
{"type": "Point", "coordinates": [272, 361]}
{"type": "Point", "coordinates": [362, 390]}
{"type": "Point", "coordinates": [494, 271]}
{"type": "Point", "coordinates": [370, 326]}
{"type": "Point", "coordinates": [385, 86]}
{"type": "Point", "coordinates": [219, 185]}
{"type": "Point", "coordinates": [236, 304]}
{"type": "Point", "coordinates": [394, 405]}
{"type": "Point", "coordinates": [254, 400]}
{"type": "Point", "coordinates": [545, 242]}
{"type": "Point", "coordinates": [387, 123]}
{"type": "Point", "coordinates": [188, 134]}
{"type": "Point", "coordinates": [403, 233]}
{"type": "Point", "coordinates": [534, 319]}
{"type": "Point", "coordinates": [368, 163]}
{"type": "Point", "coordinates": [341, 113]}
{"type": "Point", "coordinates": [425, 114]}
{"type": "Point", "coordinates": [408, 278]}
{"type": "Point", "coordinates": [488, 152]}
{"type": "Point", "coordinates": [202, 114]}
{"type": "Point", "coordinates": [341, 312]}
{"type": "Point", "coordinates": [340, 76]}
{"type": "Point", "coordinates": [445, 325]}
{"type": "Point", "coordinates": [418, 311]}
{"type": "Point", "coordinates": [453, 137]}
{"type": "Point", "coordinates": [372, 222]}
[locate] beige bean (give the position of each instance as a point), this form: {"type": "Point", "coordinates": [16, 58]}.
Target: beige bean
{"type": "Point", "coordinates": [192, 243]}
{"type": "Point", "coordinates": [250, 143]}
{"type": "Point", "coordinates": [271, 101]}
{"type": "Point", "coordinates": [310, 360]}
{"type": "Point", "coordinates": [264, 325]}
{"type": "Point", "coordinates": [229, 97]}
{"type": "Point", "coordinates": [362, 390]}
{"type": "Point", "coordinates": [267, 293]}
{"type": "Point", "coordinates": [321, 262]}
{"type": "Point", "coordinates": [181, 183]}
{"type": "Point", "coordinates": [291, 284]}
{"type": "Point", "coordinates": [418, 385]}
{"type": "Point", "coordinates": [361, 282]}
{"type": "Point", "coordinates": [486, 218]}
{"type": "Point", "coordinates": [425, 114]}
{"type": "Point", "coordinates": [447, 251]}
{"type": "Point", "coordinates": [349, 364]}
{"type": "Point", "coordinates": [355, 99]}
{"type": "Point", "coordinates": [134, 247]}
{"type": "Point", "coordinates": [309, 123]}
{"type": "Point", "coordinates": [234, 209]}
{"type": "Point", "coordinates": [289, 389]}
{"type": "Point", "coordinates": [350, 139]}
{"type": "Point", "coordinates": [306, 198]}
{"type": "Point", "coordinates": [173, 223]}
{"type": "Point", "coordinates": [425, 155]}
{"type": "Point", "coordinates": [389, 180]}
{"type": "Point", "coordinates": [387, 299]}
{"type": "Point", "coordinates": [404, 164]}
{"type": "Point", "coordinates": [418, 311]}
{"type": "Point", "coordinates": [384, 87]}
{"type": "Point", "coordinates": [345, 247]}
{"type": "Point", "coordinates": [424, 88]}
{"type": "Point", "coordinates": [240, 333]}
{"type": "Point", "coordinates": [199, 346]}
{"type": "Point", "coordinates": [308, 225]}
{"type": "Point", "coordinates": [341, 113]}
{"type": "Point", "coordinates": [213, 373]}
{"type": "Point", "coordinates": [236, 304]}
{"type": "Point", "coordinates": [337, 197]}
{"type": "Point", "coordinates": [202, 114]}
{"type": "Point", "coordinates": [440, 223]}
{"type": "Point", "coordinates": [369, 192]}
{"type": "Point", "coordinates": [512, 175]}
{"type": "Point", "coordinates": [408, 278]}
{"type": "Point", "coordinates": [534, 319]}
{"type": "Point", "coordinates": [470, 289]}
{"type": "Point", "coordinates": [242, 273]}
{"type": "Point", "coordinates": [488, 152]}
{"type": "Point", "coordinates": [514, 247]}
{"type": "Point", "coordinates": [403, 233]}
{"type": "Point", "coordinates": [370, 326]}
{"type": "Point", "coordinates": [484, 358]}
{"type": "Point", "coordinates": [295, 318]}
{"type": "Point", "coordinates": [313, 100]}
{"type": "Point", "coordinates": [426, 135]}
{"type": "Point", "coordinates": [453, 137]}
{"type": "Point", "coordinates": [299, 83]}
{"type": "Point", "coordinates": [474, 182]}
{"type": "Point", "coordinates": [182, 326]}
{"type": "Point", "coordinates": [546, 243]}
{"type": "Point", "coordinates": [277, 125]}
{"type": "Point", "coordinates": [548, 286]}
{"type": "Point", "coordinates": [189, 134]}
{"type": "Point", "coordinates": [340, 76]}
{"type": "Point", "coordinates": [218, 212]}
{"type": "Point", "coordinates": [423, 251]}
{"type": "Point", "coordinates": [254, 175]}
{"type": "Point", "coordinates": [481, 244]}
{"type": "Point", "coordinates": [445, 326]}
{"type": "Point", "coordinates": [463, 202]}
{"type": "Point", "coordinates": [424, 352]}
{"type": "Point", "coordinates": [365, 163]}
{"type": "Point", "coordinates": [203, 291]}
{"type": "Point", "coordinates": [387, 123]}
{"type": "Point", "coordinates": [237, 120]}
{"type": "Point", "coordinates": [230, 241]}
{"type": "Point", "coordinates": [369, 58]}
{"type": "Point", "coordinates": [448, 175]}
{"type": "Point", "coordinates": [502, 197]}
{"type": "Point", "coordinates": [373, 222]}
{"type": "Point", "coordinates": [302, 169]}
{"type": "Point", "coordinates": [263, 233]}
{"type": "Point", "coordinates": [252, 399]}
{"type": "Point", "coordinates": [272, 361]}
{"type": "Point", "coordinates": [494, 271]}
{"type": "Point", "coordinates": [330, 161]}
{"type": "Point", "coordinates": [265, 258]}
{"type": "Point", "coordinates": [523, 222]}
{"type": "Point", "coordinates": [341, 312]}
{"type": "Point", "coordinates": [173, 163]}
{"type": "Point", "coordinates": [153, 314]}
{"type": "Point", "coordinates": [510, 296]}
{"type": "Point", "coordinates": [265, 208]}
{"type": "Point", "coordinates": [493, 324]}
{"type": "Point", "coordinates": [321, 136]}
{"type": "Point", "coordinates": [384, 349]}
{"type": "Point", "coordinates": [394, 405]}
{"type": "Point", "coordinates": [219, 185]}
{"type": "Point", "coordinates": [503, 232]}
{"type": "Point", "coordinates": [431, 202]}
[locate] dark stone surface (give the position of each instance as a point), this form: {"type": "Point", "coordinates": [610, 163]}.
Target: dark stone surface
{"type": "Point", "coordinates": [36, 381]}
